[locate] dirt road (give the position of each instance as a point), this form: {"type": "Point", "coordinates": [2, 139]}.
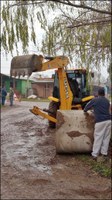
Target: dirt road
{"type": "Point", "coordinates": [30, 168]}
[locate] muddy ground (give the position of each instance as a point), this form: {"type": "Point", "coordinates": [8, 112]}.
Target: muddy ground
{"type": "Point", "coordinates": [30, 167]}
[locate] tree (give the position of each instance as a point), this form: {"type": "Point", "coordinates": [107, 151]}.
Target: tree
{"type": "Point", "coordinates": [110, 71]}
{"type": "Point", "coordinates": [81, 28]}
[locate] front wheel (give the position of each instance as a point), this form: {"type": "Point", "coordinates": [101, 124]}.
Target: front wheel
{"type": "Point", "coordinates": [53, 107]}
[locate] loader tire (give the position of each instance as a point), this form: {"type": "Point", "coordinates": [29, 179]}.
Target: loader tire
{"type": "Point", "coordinates": [53, 107]}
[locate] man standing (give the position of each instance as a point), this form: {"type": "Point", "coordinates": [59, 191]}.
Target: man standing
{"type": "Point", "coordinates": [102, 132]}
{"type": "Point", "coordinates": [11, 96]}
{"type": "Point", "coordinates": [4, 94]}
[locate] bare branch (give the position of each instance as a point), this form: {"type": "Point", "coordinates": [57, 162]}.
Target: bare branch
{"type": "Point", "coordinates": [86, 45]}
{"type": "Point", "coordinates": [67, 2]}
{"type": "Point", "coordinates": [25, 3]}
{"type": "Point", "coordinates": [91, 23]}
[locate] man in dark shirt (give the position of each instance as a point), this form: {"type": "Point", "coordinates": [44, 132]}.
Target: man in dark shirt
{"type": "Point", "coordinates": [4, 94]}
{"type": "Point", "coordinates": [102, 132]}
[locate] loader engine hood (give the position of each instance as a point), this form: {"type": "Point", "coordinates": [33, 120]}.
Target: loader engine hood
{"type": "Point", "coordinates": [26, 64]}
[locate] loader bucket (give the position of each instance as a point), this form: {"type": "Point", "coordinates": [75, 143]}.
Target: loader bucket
{"type": "Point", "coordinates": [25, 65]}
{"type": "Point", "coordinates": [74, 131]}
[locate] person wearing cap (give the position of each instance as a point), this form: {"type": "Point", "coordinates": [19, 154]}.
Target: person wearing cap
{"type": "Point", "coordinates": [102, 131]}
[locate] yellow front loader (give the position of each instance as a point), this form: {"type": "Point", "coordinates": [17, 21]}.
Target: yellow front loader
{"type": "Point", "coordinates": [70, 96]}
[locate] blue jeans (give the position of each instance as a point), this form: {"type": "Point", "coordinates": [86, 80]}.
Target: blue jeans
{"type": "Point", "coordinates": [3, 101]}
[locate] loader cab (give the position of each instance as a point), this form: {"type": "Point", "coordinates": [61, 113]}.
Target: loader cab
{"type": "Point", "coordinates": [77, 80]}
{"type": "Point", "coordinates": [56, 92]}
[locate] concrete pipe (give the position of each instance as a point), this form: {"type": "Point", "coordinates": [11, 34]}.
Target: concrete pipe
{"type": "Point", "coordinates": [74, 131]}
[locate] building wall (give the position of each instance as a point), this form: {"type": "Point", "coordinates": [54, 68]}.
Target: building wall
{"type": "Point", "coordinates": [42, 90]}
{"type": "Point", "coordinates": [26, 85]}
{"type": "Point", "coordinates": [6, 81]}
{"type": "Point", "coordinates": [23, 87]}
{"type": "Point", "coordinates": [20, 86]}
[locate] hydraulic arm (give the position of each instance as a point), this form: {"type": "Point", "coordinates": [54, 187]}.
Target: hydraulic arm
{"type": "Point", "coordinates": [26, 64]}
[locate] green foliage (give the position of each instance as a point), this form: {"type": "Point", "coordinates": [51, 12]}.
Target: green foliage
{"type": "Point", "coordinates": [110, 70]}
{"type": "Point", "coordinates": [77, 33]}
{"type": "Point", "coordinates": [102, 168]}
{"type": "Point", "coordinates": [35, 100]}
{"type": "Point", "coordinates": [15, 27]}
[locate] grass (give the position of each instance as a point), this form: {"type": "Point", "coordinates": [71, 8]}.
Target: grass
{"type": "Point", "coordinates": [102, 168]}
{"type": "Point", "coordinates": [35, 100]}
{"type": "Point", "coordinates": [29, 100]}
